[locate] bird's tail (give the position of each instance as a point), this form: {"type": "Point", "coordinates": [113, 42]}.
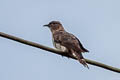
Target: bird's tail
{"type": "Point", "coordinates": [81, 59]}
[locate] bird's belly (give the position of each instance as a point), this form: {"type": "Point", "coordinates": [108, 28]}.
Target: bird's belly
{"type": "Point", "coordinates": [60, 47]}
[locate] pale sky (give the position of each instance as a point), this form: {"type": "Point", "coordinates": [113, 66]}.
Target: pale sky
{"type": "Point", "coordinates": [95, 22]}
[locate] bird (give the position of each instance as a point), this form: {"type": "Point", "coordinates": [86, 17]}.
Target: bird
{"type": "Point", "coordinates": [65, 41]}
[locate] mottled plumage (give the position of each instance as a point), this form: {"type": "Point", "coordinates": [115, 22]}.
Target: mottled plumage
{"type": "Point", "coordinates": [66, 41]}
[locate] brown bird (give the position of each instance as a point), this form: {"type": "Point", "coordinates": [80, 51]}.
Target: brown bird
{"type": "Point", "coordinates": [65, 41]}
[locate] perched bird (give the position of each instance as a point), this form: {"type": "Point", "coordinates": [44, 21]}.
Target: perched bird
{"type": "Point", "coordinates": [65, 41]}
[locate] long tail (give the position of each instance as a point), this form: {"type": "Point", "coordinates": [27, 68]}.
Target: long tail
{"type": "Point", "coordinates": [80, 59]}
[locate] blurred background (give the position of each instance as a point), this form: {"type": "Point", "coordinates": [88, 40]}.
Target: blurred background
{"type": "Point", "coordinates": [95, 22]}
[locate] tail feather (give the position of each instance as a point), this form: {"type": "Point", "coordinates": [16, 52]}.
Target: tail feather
{"type": "Point", "coordinates": [80, 59]}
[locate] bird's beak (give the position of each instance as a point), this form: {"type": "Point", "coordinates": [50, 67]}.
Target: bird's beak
{"type": "Point", "coordinates": [46, 25]}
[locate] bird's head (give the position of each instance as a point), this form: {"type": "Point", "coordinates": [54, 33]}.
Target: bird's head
{"type": "Point", "coordinates": [55, 26]}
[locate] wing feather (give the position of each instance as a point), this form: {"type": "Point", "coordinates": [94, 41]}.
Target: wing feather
{"type": "Point", "coordinates": [69, 41]}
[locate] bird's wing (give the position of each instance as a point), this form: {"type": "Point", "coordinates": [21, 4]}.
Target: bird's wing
{"type": "Point", "coordinates": [69, 41]}
{"type": "Point", "coordinates": [81, 46]}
